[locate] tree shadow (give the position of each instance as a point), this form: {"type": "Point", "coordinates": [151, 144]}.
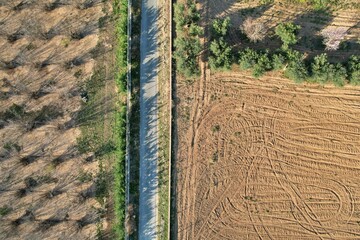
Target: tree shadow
{"type": "Point", "coordinates": [237, 38]}
{"type": "Point", "coordinates": [311, 42]}
{"type": "Point", "coordinates": [312, 22]}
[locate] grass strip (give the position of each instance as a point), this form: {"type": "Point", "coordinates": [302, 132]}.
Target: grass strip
{"type": "Point", "coordinates": [120, 15]}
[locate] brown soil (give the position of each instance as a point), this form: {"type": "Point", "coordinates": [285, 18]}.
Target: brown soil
{"type": "Point", "coordinates": [267, 158]}
{"type": "Point", "coordinates": [55, 207]}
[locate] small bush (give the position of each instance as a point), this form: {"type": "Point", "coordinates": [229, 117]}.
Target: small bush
{"type": "Point", "coordinates": [187, 43]}
{"type": "Point", "coordinates": [254, 31]}
{"type": "Point", "coordinates": [9, 146]}
{"type": "Point", "coordinates": [53, 193]}
{"type": "Point", "coordinates": [278, 61]}
{"type": "Point", "coordinates": [52, 5]}
{"type": "Point", "coordinates": [15, 36]}
{"type": "Point", "coordinates": [297, 71]}
{"type": "Point", "coordinates": [15, 112]}
{"type": "Point", "coordinates": [85, 4]}
{"type": "Point", "coordinates": [322, 71]}
{"type": "Point", "coordinates": [354, 70]}
{"type": "Point", "coordinates": [195, 30]}
{"type": "Point", "coordinates": [101, 184]}
{"type": "Point", "coordinates": [20, 193]}
{"type": "Point", "coordinates": [287, 33]}
{"type": "Point", "coordinates": [220, 27]}
{"type": "Point", "coordinates": [28, 159]}
{"type": "Point", "coordinates": [22, 5]}
{"type": "Point", "coordinates": [30, 182]}
{"type": "Point", "coordinates": [77, 61]}
{"type": "Point", "coordinates": [216, 128]}
{"type": "Point", "coordinates": [179, 16]}
{"type": "Point", "coordinates": [48, 223]}
{"type": "Point", "coordinates": [221, 57]}
{"type": "Point", "coordinates": [4, 210]}
{"type": "Point", "coordinates": [262, 65]}
{"type": "Point", "coordinates": [248, 58]}
{"type": "Point", "coordinates": [187, 51]}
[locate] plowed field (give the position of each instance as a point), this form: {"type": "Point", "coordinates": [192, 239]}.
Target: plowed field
{"type": "Point", "coordinates": [267, 159]}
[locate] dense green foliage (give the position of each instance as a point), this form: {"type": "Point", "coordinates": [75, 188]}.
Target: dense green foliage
{"type": "Point", "coordinates": [322, 71]}
{"type": "Point", "coordinates": [248, 58]}
{"type": "Point", "coordinates": [187, 43]}
{"type": "Point", "coordinates": [287, 33]}
{"type": "Point", "coordinates": [220, 51]}
{"type": "Point", "coordinates": [354, 70]}
{"type": "Point", "coordinates": [4, 210]}
{"type": "Point", "coordinates": [121, 15]}
{"type": "Point", "coordinates": [185, 15]}
{"type": "Point", "coordinates": [278, 61]}
{"type": "Point", "coordinates": [221, 57]}
{"type": "Point", "coordinates": [220, 27]}
{"type": "Point", "coordinates": [319, 70]}
{"type": "Point", "coordinates": [291, 62]}
{"type": "Point", "coordinates": [187, 50]}
{"type": "Point", "coordinates": [259, 62]}
{"type": "Point", "coordinates": [296, 68]}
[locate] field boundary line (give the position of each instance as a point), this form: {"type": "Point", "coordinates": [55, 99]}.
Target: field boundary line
{"type": "Point", "coordinates": [170, 120]}
{"type": "Point", "coordinates": [128, 107]}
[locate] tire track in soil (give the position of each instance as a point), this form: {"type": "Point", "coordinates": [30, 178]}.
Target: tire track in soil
{"type": "Point", "coordinates": [307, 212]}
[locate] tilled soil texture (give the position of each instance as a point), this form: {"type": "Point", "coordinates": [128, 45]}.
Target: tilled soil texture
{"type": "Point", "coordinates": [49, 49]}
{"type": "Point", "coordinates": [267, 159]}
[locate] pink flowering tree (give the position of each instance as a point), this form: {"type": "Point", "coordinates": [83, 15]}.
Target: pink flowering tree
{"type": "Point", "coordinates": [333, 36]}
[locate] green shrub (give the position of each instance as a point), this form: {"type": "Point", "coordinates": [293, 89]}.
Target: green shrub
{"type": "Point", "coordinates": [278, 61]}
{"type": "Point", "coordinates": [338, 75]}
{"type": "Point", "coordinates": [185, 15]}
{"type": "Point", "coordinates": [322, 71]}
{"type": "Point", "coordinates": [187, 51]}
{"type": "Point", "coordinates": [296, 69]}
{"type": "Point", "coordinates": [221, 57]}
{"type": "Point", "coordinates": [15, 112]}
{"type": "Point", "coordinates": [179, 16]}
{"type": "Point", "coordinates": [258, 61]}
{"type": "Point", "coordinates": [248, 58]}
{"type": "Point", "coordinates": [354, 70]}
{"type": "Point", "coordinates": [220, 27]}
{"type": "Point", "coordinates": [4, 210]}
{"type": "Point", "coordinates": [9, 146]}
{"type": "Point", "coordinates": [187, 43]}
{"type": "Point", "coordinates": [262, 65]}
{"type": "Point", "coordinates": [287, 33]}
{"type": "Point", "coordinates": [195, 30]}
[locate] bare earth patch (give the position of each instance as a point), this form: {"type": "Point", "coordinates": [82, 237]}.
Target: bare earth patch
{"type": "Point", "coordinates": [267, 159]}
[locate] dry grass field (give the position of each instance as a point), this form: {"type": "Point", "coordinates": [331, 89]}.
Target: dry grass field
{"type": "Point", "coordinates": [49, 49]}
{"type": "Point", "coordinates": [267, 158]}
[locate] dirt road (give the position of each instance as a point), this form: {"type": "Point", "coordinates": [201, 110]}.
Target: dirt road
{"type": "Point", "coordinates": [148, 121]}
